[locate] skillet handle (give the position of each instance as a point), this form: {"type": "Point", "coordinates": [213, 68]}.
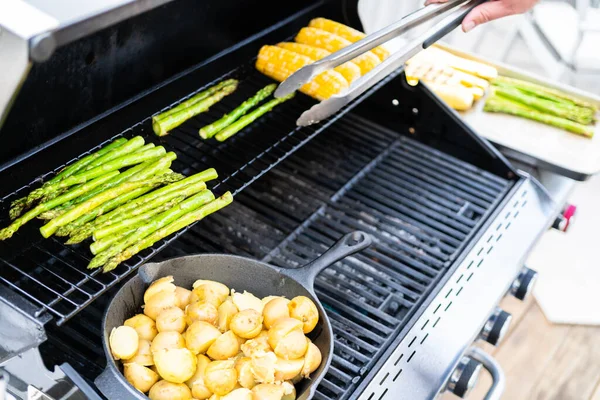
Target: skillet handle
{"type": "Point", "coordinates": [349, 244]}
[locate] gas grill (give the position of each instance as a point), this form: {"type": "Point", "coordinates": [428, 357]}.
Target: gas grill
{"type": "Point", "coordinates": [452, 220]}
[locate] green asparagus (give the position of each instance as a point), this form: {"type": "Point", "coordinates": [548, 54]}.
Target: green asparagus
{"type": "Point", "coordinates": [159, 221]}
{"type": "Point", "coordinates": [40, 208]}
{"type": "Point", "coordinates": [249, 118]}
{"type": "Point", "coordinates": [160, 233]}
{"type": "Point", "coordinates": [130, 147]}
{"type": "Point", "coordinates": [101, 245]}
{"type": "Point", "coordinates": [506, 106]}
{"type": "Point", "coordinates": [162, 126]}
{"type": "Point", "coordinates": [210, 130]}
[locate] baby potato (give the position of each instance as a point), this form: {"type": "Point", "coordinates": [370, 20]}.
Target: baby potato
{"type": "Point", "coordinates": [143, 355]}
{"type": "Point", "coordinates": [288, 369]}
{"type": "Point", "coordinates": [289, 391]}
{"type": "Point", "coordinates": [312, 360]}
{"type": "Point", "coordinates": [142, 378]}
{"type": "Point", "coordinates": [243, 367]}
{"type": "Point", "coordinates": [123, 342]}
{"type": "Point", "coordinates": [267, 299]}
{"type": "Point", "coordinates": [246, 300]}
{"type": "Point", "coordinates": [238, 394]}
{"type": "Point", "coordinates": [225, 312]}
{"type": "Point", "coordinates": [160, 301]}
{"type": "Point", "coordinates": [211, 292]}
{"type": "Point", "coordinates": [256, 345]}
{"type": "Point", "coordinates": [226, 346]}
{"type": "Point", "coordinates": [201, 311]}
{"type": "Point", "coordinates": [196, 382]}
{"type": "Point", "coordinates": [143, 325]}
{"type": "Point", "coordinates": [175, 365]}
{"type": "Point", "coordinates": [183, 297]}
{"type": "Point", "coordinates": [303, 309]}
{"type": "Point", "coordinates": [167, 340]}
{"type": "Point", "coordinates": [171, 319]}
{"type": "Point", "coordinates": [164, 390]}
{"type": "Point", "coordinates": [281, 328]}
{"type": "Point", "coordinates": [247, 324]}
{"type": "Point", "coordinates": [200, 336]}
{"type": "Point", "coordinates": [159, 285]}
{"type": "Point", "coordinates": [268, 391]}
{"type": "Point", "coordinates": [220, 377]}
{"type": "Point", "coordinates": [274, 310]}
{"type": "Point", "coordinates": [263, 367]}
{"type": "Point", "coordinates": [292, 346]}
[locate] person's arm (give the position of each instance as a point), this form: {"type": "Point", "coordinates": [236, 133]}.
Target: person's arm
{"type": "Point", "coordinates": [492, 10]}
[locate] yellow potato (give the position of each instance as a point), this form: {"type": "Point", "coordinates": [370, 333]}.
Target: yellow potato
{"type": "Point", "coordinates": [266, 300]}
{"type": "Point", "coordinates": [225, 312]}
{"type": "Point", "coordinates": [167, 340]}
{"type": "Point", "coordinates": [164, 390]}
{"type": "Point", "coordinates": [247, 324]}
{"type": "Point", "coordinates": [268, 391]}
{"type": "Point", "coordinates": [263, 367]}
{"type": "Point", "coordinates": [312, 360]}
{"type": "Point", "coordinates": [289, 391]}
{"type": "Point", "coordinates": [159, 285]}
{"type": "Point", "coordinates": [175, 365]}
{"type": "Point", "coordinates": [171, 319]}
{"type": "Point", "coordinates": [292, 346]}
{"type": "Point", "coordinates": [196, 382]}
{"type": "Point", "coordinates": [303, 309]}
{"type": "Point", "coordinates": [124, 342]}
{"type": "Point", "coordinates": [211, 292]}
{"type": "Point", "coordinates": [220, 377]}
{"type": "Point", "coordinates": [243, 367]}
{"type": "Point", "coordinates": [257, 345]}
{"type": "Point", "coordinates": [226, 346]}
{"type": "Point", "coordinates": [200, 336]}
{"type": "Point", "coordinates": [281, 329]}
{"type": "Point", "coordinates": [246, 300]}
{"type": "Point", "coordinates": [143, 355]}
{"type": "Point", "coordinates": [143, 325]}
{"type": "Point", "coordinates": [287, 369]}
{"type": "Point", "coordinates": [274, 310]}
{"type": "Point", "coordinates": [160, 301]}
{"type": "Point", "coordinates": [238, 394]}
{"type": "Point", "coordinates": [201, 311]}
{"type": "Point", "coordinates": [142, 378]}
{"type": "Point", "coordinates": [183, 297]}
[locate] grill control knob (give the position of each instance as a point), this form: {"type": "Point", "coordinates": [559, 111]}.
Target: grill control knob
{"type": "Point", "coordinates": [524, 283]}
{"type": "Point", "coordinates": [464, 377]}
{"type": "Point", "coordinates": [496, 327]}
{"type": "Point", "coordinates": [564, 221]}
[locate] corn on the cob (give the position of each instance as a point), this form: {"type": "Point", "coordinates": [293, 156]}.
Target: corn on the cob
{"type": "Point", "coordinates": [332, 42]}
{"type": "Point", "coordinates": [279, 63]}
{"type": "Point", "coordinates": [349, 70]}
{"type": "Point", "coordinates": [347, 33]}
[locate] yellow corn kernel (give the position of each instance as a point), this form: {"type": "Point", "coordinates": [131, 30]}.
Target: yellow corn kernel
{"type": "Point", "coordinates": [349, 70]}
{"type": "Point", "coordinates": [279, 63]}
{"type": "Point", "coordinates": [347, 33]}
{"type": "Point", "coordinates": [332, 42]}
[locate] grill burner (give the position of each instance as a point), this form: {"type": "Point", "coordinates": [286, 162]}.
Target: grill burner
{"type": "Point", "coordinates": [421, 206]}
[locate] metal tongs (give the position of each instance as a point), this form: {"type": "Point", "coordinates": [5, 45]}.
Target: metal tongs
{"type": "Point", "coordinates": [452, 12]}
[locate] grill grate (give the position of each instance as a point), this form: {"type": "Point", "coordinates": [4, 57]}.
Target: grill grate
{"type": "Point", "coordinates": [54, 276]}
{"type": "Point", "coordinates": [343, 180]}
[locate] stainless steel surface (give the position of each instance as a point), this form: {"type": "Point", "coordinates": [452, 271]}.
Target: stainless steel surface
{"type": "Point", "coordinates": [499, 381]}
{"type": "Point", "coordinates": [397, 60]}
{"type": "Point", "coordinates": [3, 384]}
{"type": "Point", "coordinates": [423, 362]}
{"type": "Point", "coordinates": [306, 74]}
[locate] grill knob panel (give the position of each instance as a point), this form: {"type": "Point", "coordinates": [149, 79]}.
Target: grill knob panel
{"type": "Point", "coordinates": [465, 376]}
{"type": "Point", "coordinates": [523, 285]}
{"type": "Point", "coordinates": [496, 327]}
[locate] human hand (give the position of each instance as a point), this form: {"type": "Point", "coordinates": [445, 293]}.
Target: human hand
{"type": "Point", "coordinates": [491, 10]}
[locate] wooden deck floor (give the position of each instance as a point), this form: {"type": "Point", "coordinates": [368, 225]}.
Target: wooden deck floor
{"type": "Point", "coordinates": [544, 361]}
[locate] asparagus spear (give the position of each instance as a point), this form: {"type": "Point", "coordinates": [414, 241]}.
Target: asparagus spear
{"type": "Point", "coordinates": [161, 233]}
{"type": "Point", "coordinates": [85, 176]}
{"type": "Point", "coordinates": [88, 206]}
{"type": "Point", "coordinates": [249, 118]}
{"type": "Point", "coordinates": [40, 208]}
{"type": "Point", "coordinates": [130, 147]}
{"type": "Point", "coordinates": [101, 245]}
{"type": "Point", "coordinates": [159, 221]}
{"type": "Point", "coordinates": [196, 98]}
{"type": "Point", "coordinates": [502, 105]}
{"type": "Point", "coordinates": [162, 126]}
{"type": "Point", "coordinates": [210, 130]}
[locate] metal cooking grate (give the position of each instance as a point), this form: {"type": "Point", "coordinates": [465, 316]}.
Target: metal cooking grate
{"type": "Point", "coordinates": [53, 276]}
{"type": "Point", "coordinates": [420, 206]}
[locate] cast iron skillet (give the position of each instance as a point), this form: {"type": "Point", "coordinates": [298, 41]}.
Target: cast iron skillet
{"type": "Point", "coordinates": [241, 274]}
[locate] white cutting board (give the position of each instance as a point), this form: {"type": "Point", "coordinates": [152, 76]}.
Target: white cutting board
{"type": "Point", "coordinates": [543, 142]}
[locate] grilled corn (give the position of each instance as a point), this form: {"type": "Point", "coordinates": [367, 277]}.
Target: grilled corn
{"type": "Point", "coordinates": [332, 42]}
{"type": "Point", "coordinates": [279, 63]}
{"type": "Point", "coordinates": [349, 70]}
{"type": "Point", "coordinates": [347, 33]}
